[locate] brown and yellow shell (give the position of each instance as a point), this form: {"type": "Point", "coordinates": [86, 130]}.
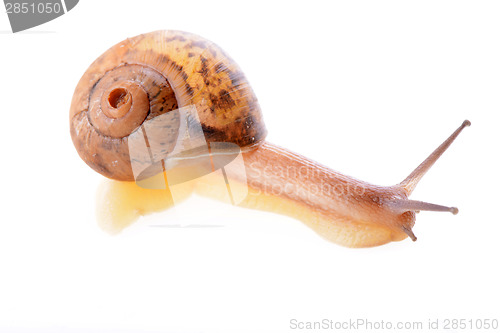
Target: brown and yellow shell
{"type": "Point", "coordinates": [152, 74]}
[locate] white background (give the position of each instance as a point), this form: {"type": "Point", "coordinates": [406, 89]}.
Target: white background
{"type": "Point", "coordinates": [366, 87]}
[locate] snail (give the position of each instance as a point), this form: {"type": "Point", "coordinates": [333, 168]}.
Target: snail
{"type": "Point", "coordinates": [152, 76]}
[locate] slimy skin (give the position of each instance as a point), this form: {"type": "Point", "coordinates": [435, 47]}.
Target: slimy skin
{"type": "Point", "coordinates": [120, 204]}
{"type": "Point", "coordinates": [339, 208]}
{"type": "Point", "coordinates": [153, 76]}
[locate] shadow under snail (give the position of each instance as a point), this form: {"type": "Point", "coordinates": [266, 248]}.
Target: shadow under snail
{"type": "Point", "coordinates": [150, 76]}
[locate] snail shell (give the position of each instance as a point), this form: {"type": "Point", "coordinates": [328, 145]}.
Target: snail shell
{"type": "Point", "coordinates": [149, 75]}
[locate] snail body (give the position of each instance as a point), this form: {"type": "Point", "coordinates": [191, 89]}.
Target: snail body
{"type": "Point", "coordinates": [149, 77]}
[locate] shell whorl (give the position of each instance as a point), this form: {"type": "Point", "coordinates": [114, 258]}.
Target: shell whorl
{"type": "Point", "coordinates": [149, 75]}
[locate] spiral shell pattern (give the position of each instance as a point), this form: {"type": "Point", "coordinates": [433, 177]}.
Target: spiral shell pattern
{"type": "Point", "coordinates": [151, 74]}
